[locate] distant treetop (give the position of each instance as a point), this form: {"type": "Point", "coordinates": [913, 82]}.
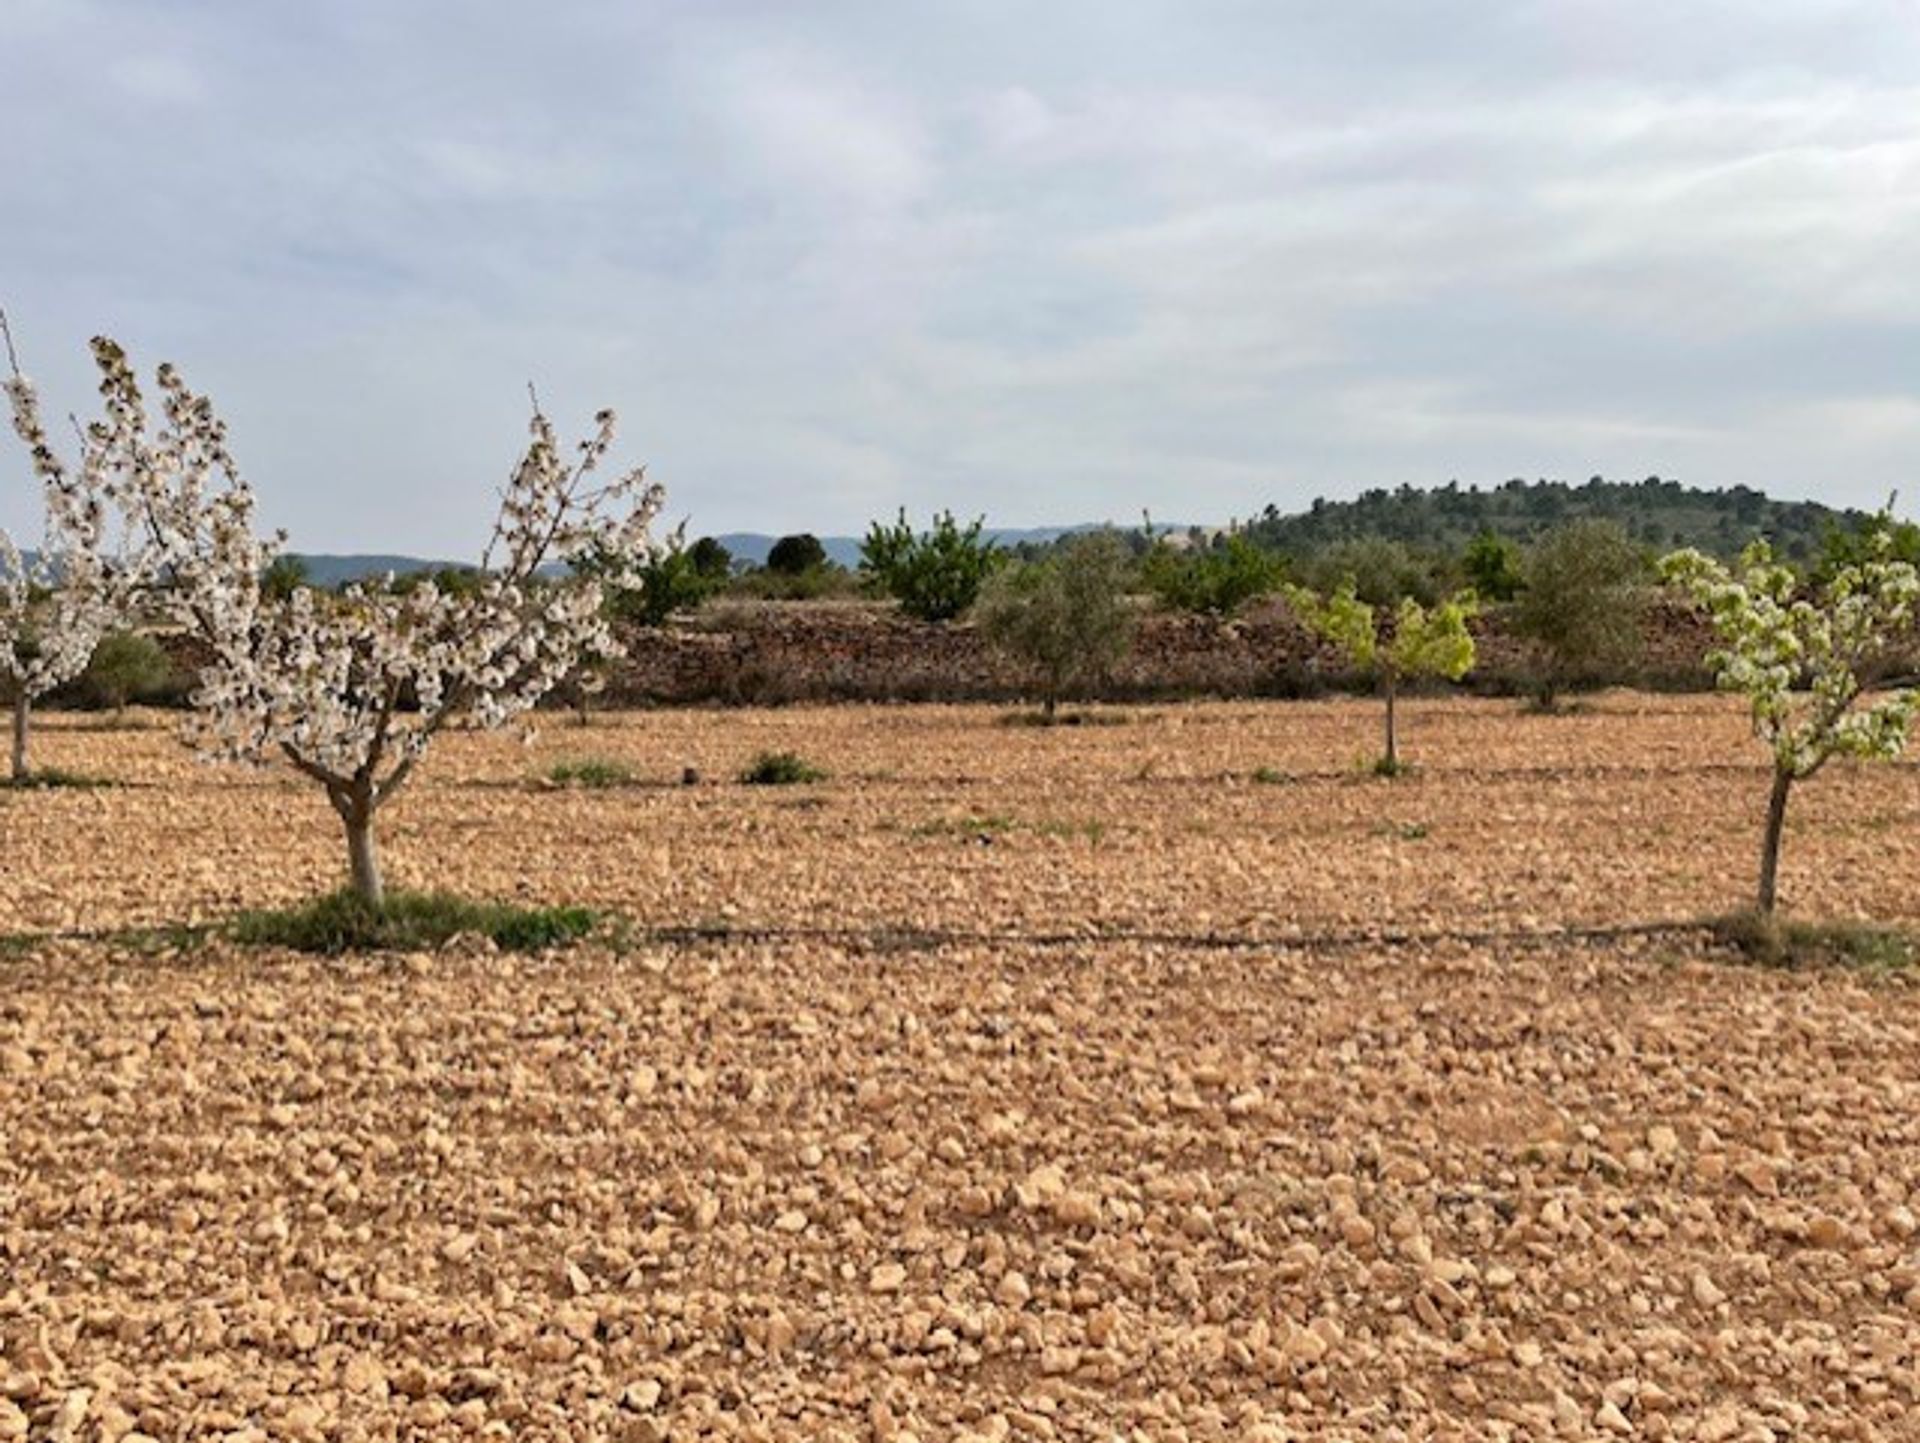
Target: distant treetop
{"type": "Point", "coordinates": [1654, 512]}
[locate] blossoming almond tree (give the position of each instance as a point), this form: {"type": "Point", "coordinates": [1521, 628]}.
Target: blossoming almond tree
{"type": "Point", "coordinates": [1426, 641]}
{"type": "Point", "coordinates": [351, 688]}
{"type": "Point", "coordinates": [1837, 642]}
{"type": "Point", "coordinates": [56, 605]}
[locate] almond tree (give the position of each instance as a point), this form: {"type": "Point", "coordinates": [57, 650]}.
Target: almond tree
{"type": "Point", "coordinates": [350, 688]}
{"type": "Point", "coordinates": [1806, 662]}
{"type": "Point", "coordinates": [1425, 641]}
{"type": "Point", "coordinates": [57, 604]}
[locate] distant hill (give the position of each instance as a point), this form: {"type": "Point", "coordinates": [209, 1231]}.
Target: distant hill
{"type": "Point", "coordinates": [1662, 514]}
{"type": "Point", "coordinates": [325, 569]}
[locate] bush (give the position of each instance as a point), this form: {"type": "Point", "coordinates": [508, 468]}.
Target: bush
{"type": "Point", "coordinates": [1581, 605]}
{"type": "Point", "coordinates": [1493, 567]}
{"type": "Point", "coordinates": [1214, 581]}
{"type": "Point", "coordinates": [1380, 573]}
{"type": "Point", "coordinates": [711, 559]}
{"type": "Point", "coordinates": [796, 555]}
{"type": "Point", "coordinates": [592, 772]}
{"type": "Point", "coordinates": [125, 666]}
{"type": "Point", "coordinates": [814, 584]}
{"type": "Point", "coordinates": [408, 922]}
{"type": "Point", "coordinates": [1065, 618]}
{"type": "Point", "coordinates": [781, 769]}
{"type": "Point", "coordinates": [935, 575]}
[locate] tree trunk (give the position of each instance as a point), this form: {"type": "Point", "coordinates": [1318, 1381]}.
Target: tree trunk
{"type": "Point", "coordinates": [356, 809]}
{"type": "Point", "coordinates": [22, 726]}
{"type": "Point", "coordinates": [1047, 707]}
{"type": "Point", "coordinates": [1393, 744]}
{"type": "Point", "coordinates": [1770, 846]}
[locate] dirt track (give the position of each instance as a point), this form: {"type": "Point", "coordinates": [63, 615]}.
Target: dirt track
{"type": "Point", "coordinates": [794, 1189]}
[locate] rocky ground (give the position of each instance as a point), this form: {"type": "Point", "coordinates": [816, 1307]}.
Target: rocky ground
{"type": "Point", "coordinates": [1238, 1167]}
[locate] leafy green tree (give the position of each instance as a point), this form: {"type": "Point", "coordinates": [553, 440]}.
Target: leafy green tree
{"type": "Point", "coordinates": [285, 575]}
{"type": "Point", "coordinates": [1864, 541]}
{"type": "Point", "coordinates": [1581, 606]}
{"type": "Point", "coordinates": [1381, 572]}
{"type": "Point", "coordinates": [1065, 617]}
{"type": "Point", "coordinates": [1212, 580]}
{"type": "Point", "coordinates": [1492, 566]}
{"type": "Point", "coordinates": [126, 666]}
{"type": "Point", "coordinates": [1425, 642]}
{"type": "Point", "coordinates": [711, 558]}
{"type": "Point", "coordinates": [1806, 663]}
{"type": "Point", "coordinates": [935, 575]}
{"type": "Point", "coordinates": [796, 555]}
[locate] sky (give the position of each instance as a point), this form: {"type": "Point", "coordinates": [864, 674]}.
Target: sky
{"type": "Point", "coordinates": [1050, 261]}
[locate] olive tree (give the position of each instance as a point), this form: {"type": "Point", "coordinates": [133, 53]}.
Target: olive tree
{"type": "Point", "coordinates": [1579, 605]}
{"type": "Point", "coordinates": [1807, 663]}
{"type": "Point", "coordinates": [1425, 641]}
{"type": "Point", "coordinates": [57, 602]}
{"type": "Point", "coordinates": [351, 688]}
{"type": "Point", "coordinates": [1066, 617]}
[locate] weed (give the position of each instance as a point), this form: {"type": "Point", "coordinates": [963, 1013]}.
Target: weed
{"type": "Point", "coordinates": [410, 921]}
{"type": "Point", "coordinates": [596, 772]}
{"type": "Point", "coordinates": [781, 769]}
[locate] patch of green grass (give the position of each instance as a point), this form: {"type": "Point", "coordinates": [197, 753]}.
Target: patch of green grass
{"type": "Point", "coordinates": [1272, 777]}
{"type": "Point", "coordinates": [781, 769]}
{"type": "Point", "coordinates": [591, 772]}
{"type": "Point", "coordinates": [51, 778]}
{"type": "Point", "coordinates": [1776, 942]}
{"type": "Point", "coordinates": [409, 922]}
{"type": "Point", "coordinates": [1389, 767]}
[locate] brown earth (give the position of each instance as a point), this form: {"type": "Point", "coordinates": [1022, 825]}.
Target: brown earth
{"type": "Point", "coordinates": [1166, 1137]}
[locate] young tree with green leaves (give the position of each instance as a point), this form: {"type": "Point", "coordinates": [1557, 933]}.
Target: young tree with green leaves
{"type": "Point", "coordinates": [1425, 642]}
{"type": "Point", "coordinates": [1214, 580]}
{"type": "Point", "coordinates": [1065, 617]}
{"type": "Point", "coordinates": [125, 665]}
{"type": "Point", "coordinates": [1807, 663]}
{"type": "Point", "coordinates": [935, 575]}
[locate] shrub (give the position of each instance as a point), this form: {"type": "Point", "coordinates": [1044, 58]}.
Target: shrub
{"type": "Point", "coordinates": [1493, 567]}
{"type": "Point", "coordinates": [711, 559]}
{"type": "Point", "coordinates": [781, 769]}
{"type": "Point", "coordinates": [796, 555]}
{"type": "Point", "coordinates": [595, 772]}
{"type": "Point", "coordinates": [1581, 606]}
{"type": "Point", "coordinates": [1065, 618]}
{"type": "Point", "coordinates": [935, 575]}
{"type": "Point", "coordinates": [1214, 581]}
{"type": "Point", "coordinates": [1379, 572]}
{"type": "Point", "coordinates": [667, 582]}
{"type": "Point", "coordinates": [126, 666]}
{"type": "Point", "coordinates": [408, 922]}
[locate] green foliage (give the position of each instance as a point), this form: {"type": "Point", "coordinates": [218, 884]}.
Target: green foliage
{"type": "Point", "coordinates": [1492, 566]}
{"type": "Point", "coordinates": [52, 779]}
{"type": "Point", "coordinates": [796, 555]}
{"type": "Point", "coordinates": [935, 575]}
{"type": "Point", "coordinates": [592, 772]}
{"type": "Point", "coordinates": [711, 559]}
{"type": "Point", "coordinates": [781, 769]}
{"type": "Point", "coordinates": [1214, 580]}
{"type": "Point", "coordinates": [1381, 573]}
{"type": "Point", "coordinates": [1065, 618]}
{"type": "Point", "coordinates": [1582, 604]}
{"type": "Point", "coordinates": [1866, 539]}
{"type": "Point", "coordinates": [449, 580]}
{"type": "Point", "coordinates": [284, 576]}
{"type": "Point", "coordinates": [408, 922]}
{"type": "Point", "coordinates": [1426, 641]}
{"type": "Point", "coordinates": [126, 666]}
{"type": "Point", "coordinates": [1654, 512]}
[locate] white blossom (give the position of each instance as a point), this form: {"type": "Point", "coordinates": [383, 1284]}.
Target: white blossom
{"type": "Point", "coordinates": [1806, 663]}
{"type": "Point", "coordinates": [351, 687]}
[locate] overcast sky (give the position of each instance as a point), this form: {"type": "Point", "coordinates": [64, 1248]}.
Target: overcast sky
{"type": "Point", "coordinates": [1049, 260]}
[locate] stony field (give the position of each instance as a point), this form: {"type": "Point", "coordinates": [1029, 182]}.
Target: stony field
{"type": "Point", "coordinates": [1020, 1085]}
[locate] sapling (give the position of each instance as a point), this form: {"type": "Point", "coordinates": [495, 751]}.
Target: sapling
{"type": "Point", "coordinates": [56, 603]}
{"type": "Point", "coordinates": [1425, 642]}
{"type": "Point", "coordinates": [1807, 662]}
{"type": "Point", "coordinates": [351, 688]}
